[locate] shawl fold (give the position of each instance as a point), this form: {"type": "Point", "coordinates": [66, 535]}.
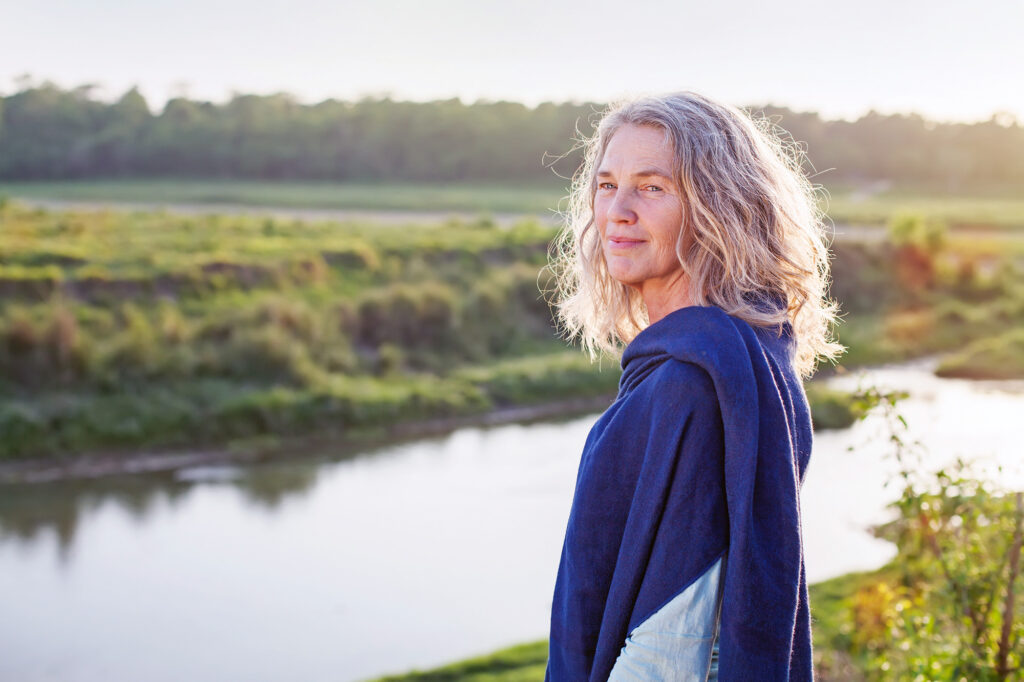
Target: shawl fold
{"type": "Point", "coordinates": [702, 452]}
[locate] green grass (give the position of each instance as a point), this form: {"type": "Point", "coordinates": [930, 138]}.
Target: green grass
{"type": "Point", "coordinates": [238, 326]}
{"type": "Point", "coordinates": [544, 377]}
{"type": "Point", "coordinates": [521, 663]}
{"type": "Point", "coordinates": [348, 408]}
{"type": "Point", "coordinates": [959, 212]}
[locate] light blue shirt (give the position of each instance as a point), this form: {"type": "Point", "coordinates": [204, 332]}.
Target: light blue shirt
{"type": "Point", "coordinates": [679, 642]}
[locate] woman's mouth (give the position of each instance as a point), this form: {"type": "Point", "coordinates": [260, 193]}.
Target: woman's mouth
{"type": "Point", "coordinates": [617, 243]}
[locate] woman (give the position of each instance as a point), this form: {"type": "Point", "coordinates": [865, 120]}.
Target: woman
{"type": "Point", "coordinates": [694, 241]}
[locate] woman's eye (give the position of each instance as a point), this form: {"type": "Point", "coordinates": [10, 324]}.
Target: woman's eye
{"type": "Point", "coordinates": [606, 185]}
{"type": "Point", "coordinates": [653, 188]}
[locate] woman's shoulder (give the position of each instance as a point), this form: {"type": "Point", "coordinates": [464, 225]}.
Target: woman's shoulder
{"type": "Point", "coordinates": [683, 374]}
{"type": "Point", "coordinates": [702, 330]}
{"type": "Point", "coordinates": [675, 386]}
{"type": "Point", "coordinates": [697, 338]}
{"type": "Point", "coordinates": [709, 337]}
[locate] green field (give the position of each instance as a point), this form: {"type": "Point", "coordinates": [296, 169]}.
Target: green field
{"type": "Point", "coordinates": [844, 204]}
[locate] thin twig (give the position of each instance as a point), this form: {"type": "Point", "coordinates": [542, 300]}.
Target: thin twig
{"type": "Point", "coordinates": [1004, 639]}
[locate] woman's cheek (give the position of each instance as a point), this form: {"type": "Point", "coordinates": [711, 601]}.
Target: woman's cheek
{"type": "Point", "coordinates": [600, 211]}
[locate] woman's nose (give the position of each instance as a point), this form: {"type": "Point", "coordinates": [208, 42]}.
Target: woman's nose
{"type": "Point", "coordinates": [620, 210]}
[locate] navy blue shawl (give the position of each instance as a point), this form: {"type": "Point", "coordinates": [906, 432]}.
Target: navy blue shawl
{"type": "Point", "coordinates": [702, 452]}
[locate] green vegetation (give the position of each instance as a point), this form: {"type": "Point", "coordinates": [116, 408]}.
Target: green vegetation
{"type": "Point", "coordinates": [961, 211]}
{"type": "Point", "coordinates": [995, 358]}
{"type": "Point", "coordinates": [48, 133]}
{"type": "Point", "coordinates": [832, 409]}
{"type": "Point", "coordinates": [540, 378]}
{"type": "Point", "coordinates": [522, 663]}
{"type": "Point", "coordinates": [948, 606]}
{"type": "Point", "coordinates": [121, 331]}
{"type": "Point", "coordinates": [923, 290]}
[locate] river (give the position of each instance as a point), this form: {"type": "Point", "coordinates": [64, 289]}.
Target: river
{"type": "Point", "coordinates": [412, 555]}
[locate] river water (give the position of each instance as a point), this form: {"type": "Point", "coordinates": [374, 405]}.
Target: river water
{"type": "Point", "coordinates": [407, 556]}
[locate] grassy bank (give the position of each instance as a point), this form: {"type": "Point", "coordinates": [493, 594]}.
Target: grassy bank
{"type": "Point", "coordinates": [127, 331]}
{"type": "Point", "coordinates": [124, 331]}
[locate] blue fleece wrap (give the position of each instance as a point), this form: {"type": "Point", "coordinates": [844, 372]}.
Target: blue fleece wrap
{"type": "Point", "coordinates": [703, 451]}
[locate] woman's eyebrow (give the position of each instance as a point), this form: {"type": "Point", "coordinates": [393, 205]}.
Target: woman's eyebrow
{"type": "Point", "coordinates": [645, 173]}
{"type": "Point", "coordinates": [648, 172]}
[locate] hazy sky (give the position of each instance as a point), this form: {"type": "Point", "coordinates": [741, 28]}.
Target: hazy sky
{"type": "Point", "coordinates": [947, 60]}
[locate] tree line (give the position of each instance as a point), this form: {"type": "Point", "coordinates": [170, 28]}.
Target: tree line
{"type": "Point", "coordinates": [47, 132]}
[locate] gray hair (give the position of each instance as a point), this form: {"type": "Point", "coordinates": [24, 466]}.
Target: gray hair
{"type": "Point", "coordinates": [756, 231]}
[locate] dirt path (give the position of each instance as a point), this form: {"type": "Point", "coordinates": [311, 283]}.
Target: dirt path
{"type": "Point", "coordinates": [388, 217]}
{"type": "Point", "coordinates": [870, 233]}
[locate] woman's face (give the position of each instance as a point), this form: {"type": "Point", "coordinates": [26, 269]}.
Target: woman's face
{"type": "Point", "coordinates": [638, 210]}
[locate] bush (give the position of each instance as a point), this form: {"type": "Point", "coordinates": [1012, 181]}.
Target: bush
{"type": "Point", "coordinates": [831, 409]}
{"type": "Point", "coordinates": [947, 612]}
{"type": "Point", "coordinates": [1001, 357]}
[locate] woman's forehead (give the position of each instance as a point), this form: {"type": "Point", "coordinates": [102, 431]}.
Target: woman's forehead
{"type": "Point", "coordinates": [638, 149]}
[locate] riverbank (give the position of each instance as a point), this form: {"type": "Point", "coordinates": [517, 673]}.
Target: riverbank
{"type": "Point", "coordinates": [98, 465]}
{"type": "Point", "coordinates": [831, 409]}
{"type": "Point", "coordinates": [509, 395]}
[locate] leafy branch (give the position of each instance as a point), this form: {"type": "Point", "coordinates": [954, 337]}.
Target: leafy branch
{"type": "Point", "coordinates": [960, 544]}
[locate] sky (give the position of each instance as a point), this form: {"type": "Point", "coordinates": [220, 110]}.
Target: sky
{"type": "Point", "coordinates": [944, 60]}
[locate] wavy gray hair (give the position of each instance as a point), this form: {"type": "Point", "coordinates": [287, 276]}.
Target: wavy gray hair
{"type": "Point", "coordinates": [757, 233]}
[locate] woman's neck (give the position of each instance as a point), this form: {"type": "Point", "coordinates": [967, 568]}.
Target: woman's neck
{"type": "Point", "coordinates": [662, 298]}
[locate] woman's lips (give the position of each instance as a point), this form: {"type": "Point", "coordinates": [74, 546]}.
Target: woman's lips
{"type": "Point", "coordinates": [617, 243]}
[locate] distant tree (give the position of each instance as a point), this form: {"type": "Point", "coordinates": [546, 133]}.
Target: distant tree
{"type": "Point", "coordinates": [47, 132]}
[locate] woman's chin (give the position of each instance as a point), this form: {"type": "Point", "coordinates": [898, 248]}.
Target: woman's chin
{"type": "Point", "coordinates": [629, 279]}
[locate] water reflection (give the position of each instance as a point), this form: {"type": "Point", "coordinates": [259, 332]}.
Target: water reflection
{"type": "Point", "coordinates": [269, 486]}
{"type": "Point", "coordinates": [26, 512]}
{"type": "Point", "coordinates": [29, 511]}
